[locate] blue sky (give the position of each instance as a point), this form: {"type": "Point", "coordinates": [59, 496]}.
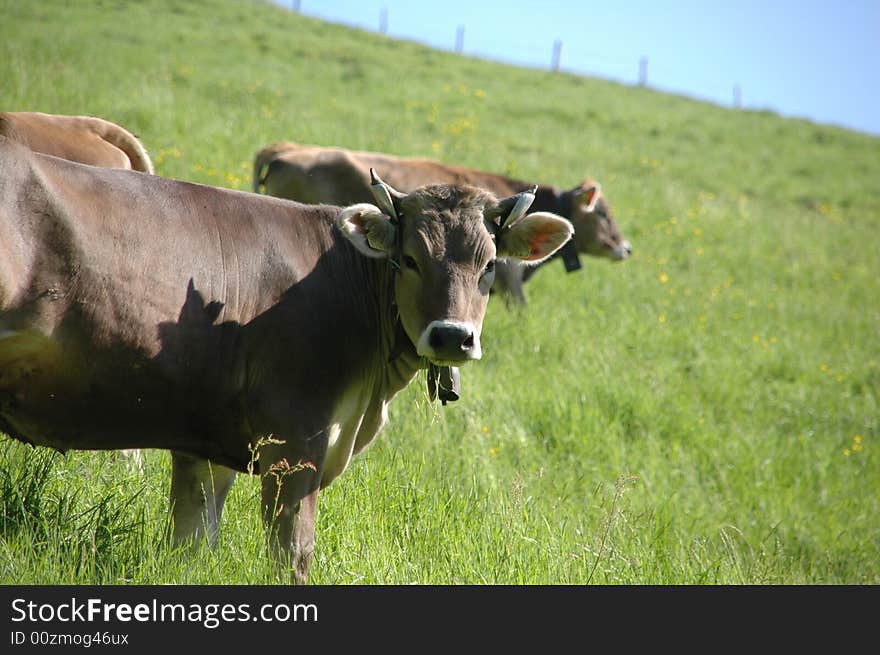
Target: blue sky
{"type": "Point", "coordinates": [810, 59]}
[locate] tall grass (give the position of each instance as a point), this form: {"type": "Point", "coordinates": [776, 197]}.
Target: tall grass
{"type": "Point", "coordinates": [704, 413]}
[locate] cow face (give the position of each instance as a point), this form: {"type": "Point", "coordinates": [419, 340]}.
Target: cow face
{"type": "Point", "coordinates": [443, 240]}
{"type": "Point", "coordinates": [596, 233]}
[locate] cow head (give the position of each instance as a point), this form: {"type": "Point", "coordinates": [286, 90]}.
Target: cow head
{"type": "Point", "coordinates": [595, 232]}
{"type": "Point", "coordinates": [443, 240]}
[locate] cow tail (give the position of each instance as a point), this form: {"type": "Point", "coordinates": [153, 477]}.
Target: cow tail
{"type": "Point", "coordinates": [140, 159]}
{"type": "Point", "coordinates": [129, 144]}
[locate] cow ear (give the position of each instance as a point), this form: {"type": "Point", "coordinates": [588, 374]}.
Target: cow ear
{"type": "Point", "coordinates": [535, 237]}
{"type": "Point", "coordinates": [587, 194]}
{"type": "Point", "coordinates": [371, 231]}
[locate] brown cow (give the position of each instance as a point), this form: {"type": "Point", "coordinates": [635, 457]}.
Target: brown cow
{"type": "Point", "coordinates": [85, 139]}
{"type": "Point", "coordinates": [315, 174]}
{"type": "Point", "coordinates": [242, 332]}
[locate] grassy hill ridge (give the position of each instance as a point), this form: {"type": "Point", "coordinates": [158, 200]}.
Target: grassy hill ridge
{"type": "Point", "coordinates": [706, 412]}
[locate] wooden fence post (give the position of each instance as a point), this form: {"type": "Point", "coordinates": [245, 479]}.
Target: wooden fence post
{"type": "Point", "coordinates": [643, 71]}
{"type": "Point", "coordinates": [459, 39]}
{"type": "Point", "coordinates": [557, 55]}
{"type": "Point", "coordinates": [383, 20]}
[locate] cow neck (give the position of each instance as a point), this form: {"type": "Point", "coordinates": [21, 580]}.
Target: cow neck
{"type": "Point", "coordinates": [397, 351]}
{"type": "Point", "coordinates": [549, 199]}
{"type": "Point", "coordinates": [404, 361]}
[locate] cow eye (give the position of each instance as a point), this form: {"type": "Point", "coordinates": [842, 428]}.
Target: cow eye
{"type": "Point", "coordinates": [490, 267]}
{"type": "Point", "coordinates": [410, 263]}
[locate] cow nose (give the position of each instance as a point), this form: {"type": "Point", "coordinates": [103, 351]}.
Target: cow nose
{"type": "Point", "coordinates": [452, 337]}
{"type": "Point", "coordinates": [450, 341]}
{"type": "Point", "coordinates": [624, 250]}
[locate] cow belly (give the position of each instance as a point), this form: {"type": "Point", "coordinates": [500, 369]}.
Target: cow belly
{"type": "Point", "coordinates": [24, 353]}
{"type": "Point", "coordinates": [50, 395]}
{"type": "Point", "coordinates": [37, 383]}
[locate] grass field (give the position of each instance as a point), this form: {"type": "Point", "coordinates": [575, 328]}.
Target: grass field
{"type": "Point", "coordinates": [706, 412]}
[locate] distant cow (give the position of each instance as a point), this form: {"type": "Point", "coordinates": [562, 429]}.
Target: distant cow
{"type": "Point", "coordinates": [242, 332]}
{"type": "Point", "coordinates": [85, 139]}
{"type": "Point", "coordinates": [316, 174]}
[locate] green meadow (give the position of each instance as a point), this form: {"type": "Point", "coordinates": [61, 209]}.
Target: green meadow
{"type": "Point", "coordinates": [704, 413]}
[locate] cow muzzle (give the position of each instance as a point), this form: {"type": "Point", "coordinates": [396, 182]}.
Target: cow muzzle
{"type": "Point", "coordinates": [449, 342]}
{"type": "Point", "coordinates": [623, 251]}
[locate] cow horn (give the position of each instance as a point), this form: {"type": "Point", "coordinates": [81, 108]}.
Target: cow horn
{"type": "Point", "coordinates": [521, 203]}
{"type": "Point", "coordinates": [383, 194]}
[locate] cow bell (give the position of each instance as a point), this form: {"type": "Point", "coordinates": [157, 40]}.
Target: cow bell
{"type": "Point", "coordinates": [570, 257]}
{"type": "Point", "coordinates": [444, 382]}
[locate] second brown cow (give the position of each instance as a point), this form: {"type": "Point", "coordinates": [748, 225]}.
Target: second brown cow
{"type": "Point", "coordinates": [317, 174]}
{"type": "Point", "coordinates": [85, 139]}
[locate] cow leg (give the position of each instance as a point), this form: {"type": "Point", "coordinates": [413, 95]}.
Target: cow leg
{"type": "Point", "coordinates": [290, 503]}
{"type": "Point", "coordinates": [198, 492]}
